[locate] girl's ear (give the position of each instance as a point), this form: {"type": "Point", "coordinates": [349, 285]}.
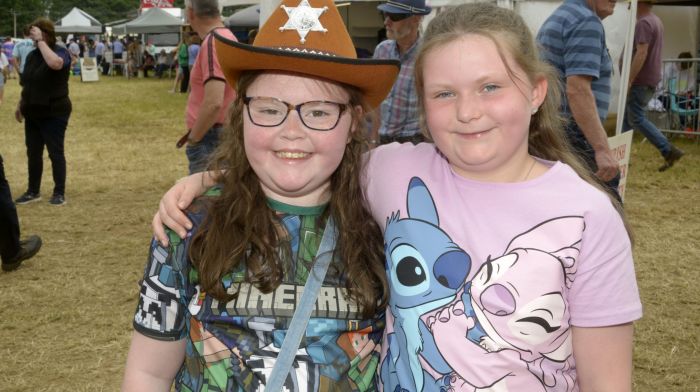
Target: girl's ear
{"type": "Point", "coordinates": [539, 92]}
{"type": "Point", "coordinates": [359, 112]}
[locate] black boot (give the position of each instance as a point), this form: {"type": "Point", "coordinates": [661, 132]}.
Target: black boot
{"type": "Point", "coordinates": [27, 249]}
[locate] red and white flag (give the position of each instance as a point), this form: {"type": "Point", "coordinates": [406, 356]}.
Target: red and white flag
{"type": "Point", "coordinates": [156, 3]}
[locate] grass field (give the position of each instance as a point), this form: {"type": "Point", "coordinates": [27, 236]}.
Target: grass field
{"type": "Point", "coordinates": [65, 316]}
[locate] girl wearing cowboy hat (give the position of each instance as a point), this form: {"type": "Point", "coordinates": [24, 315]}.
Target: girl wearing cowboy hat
{"type": "Point", "coordinates": [215, 307]}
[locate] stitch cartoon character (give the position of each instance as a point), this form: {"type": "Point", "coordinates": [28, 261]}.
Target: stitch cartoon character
{"type": "Point", "coordinates": [519, 300]}
{"type": "Point", "coordinates": [426, 270]}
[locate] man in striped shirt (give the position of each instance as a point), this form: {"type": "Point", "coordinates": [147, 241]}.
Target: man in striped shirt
{"type": "Point", "coordinates": [572, 40]}
{"type": "Point", "coordinates": [397, 118]}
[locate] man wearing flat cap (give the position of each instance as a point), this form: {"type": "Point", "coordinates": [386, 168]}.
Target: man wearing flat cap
{"type": "Point", "coordinates": [397, 118]}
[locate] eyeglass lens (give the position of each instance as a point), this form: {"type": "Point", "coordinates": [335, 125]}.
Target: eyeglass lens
{"type": "Point", "coordinates": [271, 112]}
{"type": "Point", "coordinates": [394, 17]}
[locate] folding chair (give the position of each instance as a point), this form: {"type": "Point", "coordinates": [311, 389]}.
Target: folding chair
{"type": "Point", "coordinates": [123, 64]}
{"type": "Point", "coordinates": [682, 107]}
{"type": "Point", "coordinates": [108, 59]}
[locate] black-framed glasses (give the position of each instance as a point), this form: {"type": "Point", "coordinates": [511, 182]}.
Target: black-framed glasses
{"type": "Point", "coordinates": [394, 17]}
{"type": "Point", "coordinates": [316, 115]}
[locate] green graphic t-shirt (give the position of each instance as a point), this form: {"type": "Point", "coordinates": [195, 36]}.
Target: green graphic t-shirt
{"type": "Point", "coordinates": [232, 346]}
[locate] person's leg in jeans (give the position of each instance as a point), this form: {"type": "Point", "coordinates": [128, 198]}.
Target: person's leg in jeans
{"type": "Point", "coordinates": [53, 130]}
{"type": "Point", "coordinates": [9, 223]}
{"type": "Point", "coordinates": [198, 154]}
{"type": "Point", "coordinates": [34, 141]}
{"type": "Point", "coordinates": [635, 118]}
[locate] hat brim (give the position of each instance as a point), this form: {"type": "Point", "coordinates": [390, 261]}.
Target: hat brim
{"type": "Point", "coordinates": [388, 8]}
{"type": "Point", "coordinates": [373, 77]}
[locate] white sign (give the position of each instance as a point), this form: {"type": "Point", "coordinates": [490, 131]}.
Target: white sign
{"type": "Point", "coordinates": [88, 70]}
{"type": "Point", "coordinates": [621, 145]}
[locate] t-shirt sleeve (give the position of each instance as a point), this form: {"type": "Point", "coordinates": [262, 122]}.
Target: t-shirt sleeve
{"type": "Point", "coordinates": [210, 65]}
{"type": "Point", "coordinates": [375, 159]}
{"type": "Point", "coordinates": [604, 291]}
{"type": "Point", "coordinates": [63, 54]}
{"type": "Point", "coordinates": [583, 48]}
{"type": "Point", "coordinates": [160, 312]}
{"type": "Point", "coordinates": [643, 32]}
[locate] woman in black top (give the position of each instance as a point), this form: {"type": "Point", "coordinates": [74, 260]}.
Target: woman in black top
{"type": "Point", "coordinates": [45, 109]}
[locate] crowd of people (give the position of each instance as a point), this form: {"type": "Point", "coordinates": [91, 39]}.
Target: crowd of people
{"type": "Point", "coordinates": [411, 230]}
{"type": "Point", "coordinates": [131, 55]}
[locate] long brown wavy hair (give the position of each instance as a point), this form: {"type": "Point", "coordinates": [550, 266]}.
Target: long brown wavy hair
{"type": "Point", "coordinates": [508, 31]}
{"type": "Point", "coordinates": [238, 227]}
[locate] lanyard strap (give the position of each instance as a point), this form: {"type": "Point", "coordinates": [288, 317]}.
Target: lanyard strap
{"type": "Point", "coordinates": [297, 327]}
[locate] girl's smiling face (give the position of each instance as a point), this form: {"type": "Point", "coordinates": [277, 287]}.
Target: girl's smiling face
{"type": "Point", "coordinates": [295, 163]}
{"type": "Point", "coordinates": [478, 113]}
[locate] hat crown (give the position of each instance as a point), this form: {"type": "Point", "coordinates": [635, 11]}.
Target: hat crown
{"type": "Point", "coordinates": [416, 7]}
{"type": "Point", "coordinates": [307, 26]}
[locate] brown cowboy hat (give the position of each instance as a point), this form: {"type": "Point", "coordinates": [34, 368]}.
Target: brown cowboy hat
{"type": "Point", "coordinates": [308, 37]}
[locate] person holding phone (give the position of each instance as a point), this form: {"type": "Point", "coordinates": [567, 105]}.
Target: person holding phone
{"type": "Point", "coordinates": [45, 108]}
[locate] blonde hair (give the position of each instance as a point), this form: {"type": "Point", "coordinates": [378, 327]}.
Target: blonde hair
{"type": "Point", "coordinates": [508, 31]}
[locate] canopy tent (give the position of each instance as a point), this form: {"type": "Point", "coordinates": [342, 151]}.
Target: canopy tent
{"type": "Point", "coordinates": [78, 21]}
{"type": "Point", "coordinates": [153, 20]}
{"type": "Point", "coordinates": [246, 17]}
{"type": "Point", "coordinates": [231, 3]}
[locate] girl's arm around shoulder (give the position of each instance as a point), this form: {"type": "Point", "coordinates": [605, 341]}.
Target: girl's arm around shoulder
{"type": "Point", "coordinates": [151, 364]}
{"type": "Point", "coordinates": [176, 199]}
{"type": "Point", "coordinates": [604, 358]}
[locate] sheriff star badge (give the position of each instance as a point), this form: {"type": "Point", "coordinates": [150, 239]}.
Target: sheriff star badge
{"type": "Point", "coordinates": [303, 19]}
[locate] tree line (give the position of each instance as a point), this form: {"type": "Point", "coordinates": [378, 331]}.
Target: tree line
{"type": "Point", "coordinates": [19, 13]}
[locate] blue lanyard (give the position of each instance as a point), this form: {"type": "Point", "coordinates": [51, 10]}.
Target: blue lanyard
{"type": "Point", "coordinates": [297, 327]}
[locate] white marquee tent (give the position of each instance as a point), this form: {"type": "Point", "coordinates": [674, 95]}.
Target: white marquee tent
{"type": "Point", "coordinates": [153, 20]}
{"type": "Point", "coordinates": [246, 17]}
{"type": "Point", "coordinates": [78, 21]}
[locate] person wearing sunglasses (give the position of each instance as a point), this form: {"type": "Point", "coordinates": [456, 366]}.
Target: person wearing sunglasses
{"type": "Point", "coordinates": [397, 119]}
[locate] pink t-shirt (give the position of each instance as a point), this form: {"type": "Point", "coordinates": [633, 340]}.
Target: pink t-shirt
{"type": "Point", "coordinates": [206, 68]}
{"type": "Point", "coordinates": [487, 278]}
